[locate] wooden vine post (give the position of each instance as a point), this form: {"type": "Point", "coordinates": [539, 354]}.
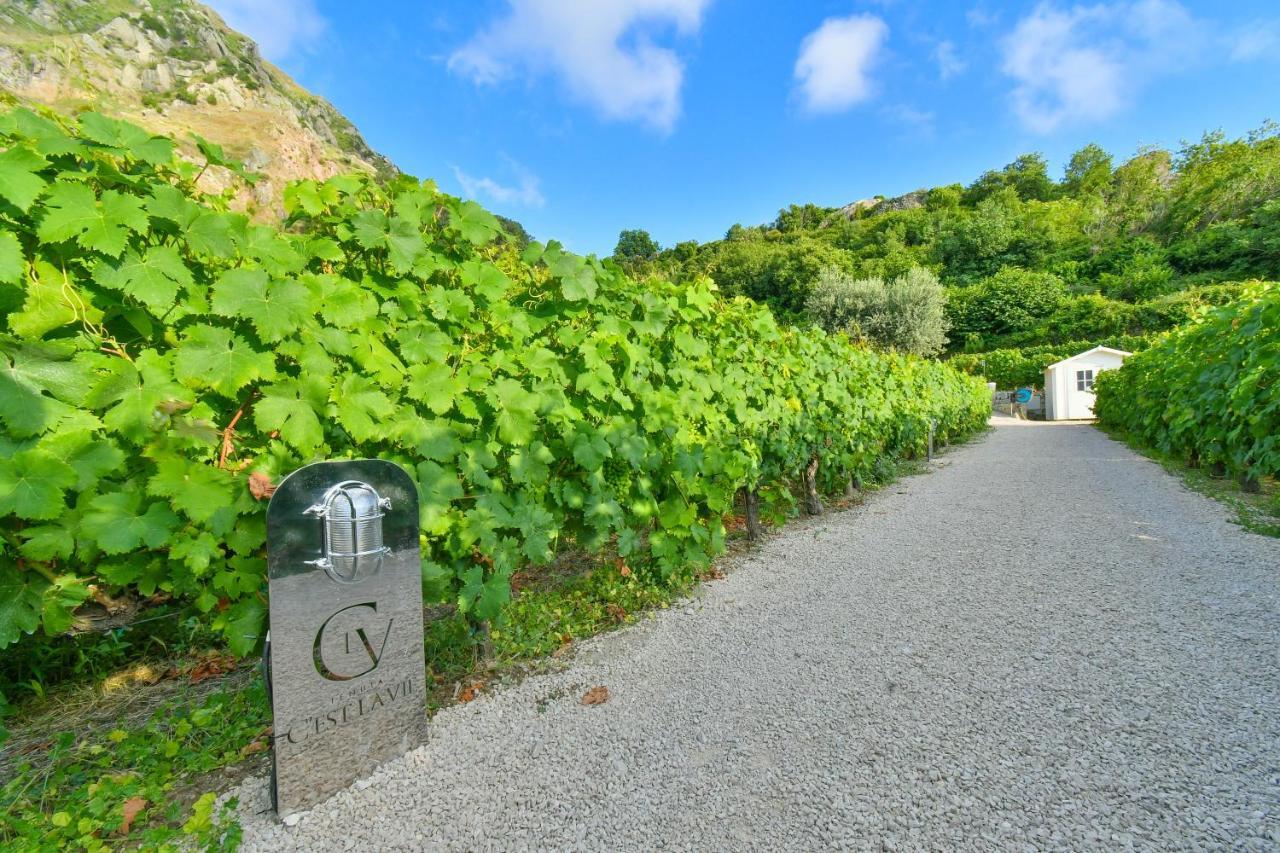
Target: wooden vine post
{"type": "Point", "coordinates": [812, 503]}
{"type": "Point", "coordinates": [753, 514]}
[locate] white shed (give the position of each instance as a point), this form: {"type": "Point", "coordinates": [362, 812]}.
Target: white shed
{"type": "Point", "coordinates": [1068, 384]}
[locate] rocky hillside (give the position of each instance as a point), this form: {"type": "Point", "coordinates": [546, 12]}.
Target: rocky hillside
{"type": "Point", "coordinates": [174, 67]}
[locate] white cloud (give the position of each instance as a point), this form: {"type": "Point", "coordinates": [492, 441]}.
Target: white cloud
{"type": "Point", "coordinates": [604, 51]}
{"type": "Point", "coordinates": [1257, 41]}
{"type": "Point", "coordinates": [949, 64]}
{"type": "Point", "coordinates": [980, 18]}
{"type": "Point", "coordinates": [278, 26]}
{"type": "Point", "coordinates": [525, 192]}
{"type": "Point", "coordinates": [920, 122]}
{"type": "Point", "coordinates": [1086, 63]}
{"type": "Point", "coordinates": [835, 59]}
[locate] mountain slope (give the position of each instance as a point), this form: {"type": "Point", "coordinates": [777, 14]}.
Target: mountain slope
{"type": "Point", "coordinates": [174, 67]}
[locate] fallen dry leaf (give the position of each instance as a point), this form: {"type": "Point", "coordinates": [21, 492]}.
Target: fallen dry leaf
{"type": "Point", "coordinates": [211, 668]}
{"type": "Point", "coordinates": [623, 568]}
{"type": "Point", "coordinates": [253, 748]}
{"type": "Point", "coordinates": [616, 612]}
{"type": "Point", "coordinates": [260, 485]}
{"type": "Point", "coordinates": [132, 806]}
{"type": "Point", "coordinates": [596, 696]}
{"type": "Point", "coordinates": [470, 692]}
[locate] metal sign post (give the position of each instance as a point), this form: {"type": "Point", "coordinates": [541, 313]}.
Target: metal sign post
{"type": "Point", "coordinates": [347, 675]}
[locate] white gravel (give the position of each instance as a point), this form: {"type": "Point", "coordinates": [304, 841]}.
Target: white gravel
{"type": "Point", "coordinates": [1045, 643]}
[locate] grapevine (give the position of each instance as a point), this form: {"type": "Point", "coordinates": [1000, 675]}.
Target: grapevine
{"type": "Point", "coordinates": [1208, 392]}
{"type": "Point", "coordinates": [162, 357]}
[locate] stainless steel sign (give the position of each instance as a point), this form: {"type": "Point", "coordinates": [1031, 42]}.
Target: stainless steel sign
{"type": "Point", "coordinates": [347, 676]}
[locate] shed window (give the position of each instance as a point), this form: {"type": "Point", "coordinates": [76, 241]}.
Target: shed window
{"type": "Point", "coordinates": [1084, 380]}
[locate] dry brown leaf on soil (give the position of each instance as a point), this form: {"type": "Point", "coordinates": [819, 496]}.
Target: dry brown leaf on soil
{"type": "Point", "coordinates": [616, 612]}
{"type": "Point", "coordinates": [596, 696]}
{"type": "Point", "coordinates": [130, 810]}
{"type": "Point", "coordinates": [623, 568]}
{"type": "Point", "coordinates": [470, 692]}
{"type": "Point", "coordinates": [254, 748]}
{"type": "Point", "coordinates": [211, 668]}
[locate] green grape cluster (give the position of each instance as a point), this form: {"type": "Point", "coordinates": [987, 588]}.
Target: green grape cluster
{"type": "Point", "coordinates": [164, 359]}
{"type": "Point", "coordinates": [1208, 392]}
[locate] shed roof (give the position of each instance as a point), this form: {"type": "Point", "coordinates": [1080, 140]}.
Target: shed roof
{"type": "Point", "coordinates": [1111, 350]}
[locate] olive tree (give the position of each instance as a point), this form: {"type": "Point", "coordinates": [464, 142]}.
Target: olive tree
{"type": "Point", "coordinates": [906, 313]}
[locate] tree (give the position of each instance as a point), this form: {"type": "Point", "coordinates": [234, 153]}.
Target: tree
{"type": "Point", "coordinates": [907, 313]}
{"type": "Point", "coordinates": [1012, 300]}
{"type": "Point", "coordinates": [945, 198]}
{"type": "Point", "coordinates": [1088, 171]}
{"type": "Point", "coordinates": [800, 217]}
{"type": "Point", "coordinates": [684, 251]}
{"type": "Point", "coordinates": [992, 236]}
{"type": "Point", "coordinates": [635, 244]}
{"type": "Point", "coordinates": [1028, 176]}
{"type": "Point", "coordinates": [1139, 188]}
{"type": "Point", "coordinates": [515, 232]}
{"type": "Point", "coordinates": [777, 272]}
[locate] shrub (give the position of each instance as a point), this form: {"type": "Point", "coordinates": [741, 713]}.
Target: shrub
{"type": "Point", "coordinates": [907, 313]}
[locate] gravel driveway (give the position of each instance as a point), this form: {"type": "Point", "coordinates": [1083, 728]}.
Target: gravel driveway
{"type": "Point", "coordinates": [1045, 643]}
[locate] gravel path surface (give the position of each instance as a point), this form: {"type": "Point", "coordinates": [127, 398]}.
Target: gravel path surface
{"type": "Point", "coordinates": [1045, 643]}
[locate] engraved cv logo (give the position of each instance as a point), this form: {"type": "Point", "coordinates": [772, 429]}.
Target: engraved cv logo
{"type": "Point", "coordinates": [336, 654]}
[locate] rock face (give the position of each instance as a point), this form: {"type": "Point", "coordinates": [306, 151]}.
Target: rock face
{"type": "Point", "coordinates": [909, 201]}
{"type": "Point", "coordinates": [174, 67]}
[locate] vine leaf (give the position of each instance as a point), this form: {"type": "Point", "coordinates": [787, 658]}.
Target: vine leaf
{"type": "Point", "coordinates": [32, 484]}
{"type": "Point", "coordinates": [436, 386]}
{"type": "Point", "coordinates": [283, 407]}
{"type": "Point", "coordinates": [20, 184]}
{"type": "Point", "coordinates": [362, 407]}
{"type": "Point", "coordinates": [517, 410]}
{"type": "Point", "coordinates": [11, 261]}
{"type": "Point", "coordinates": [20, 601]}
{"type": "Point", "coordinates": [118, 524]}
{"type": "Point", "coordinates": [275, 308]}
{"type": "Point", "coordinates": [476, 225]}
{"type": "Point", "coordinates": [200, 491]}
{"type": "Point", "coordinates": [217, 358]}
{"type": "Point", "coordinates": [152, 278]}
{"type": "Point", "coordinates": [98, 225]}
{"type": "Point", "coordinates": [126, 138]}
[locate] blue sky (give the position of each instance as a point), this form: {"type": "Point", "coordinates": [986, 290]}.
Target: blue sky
{"type": "Point", "coordinates": [583, 117]}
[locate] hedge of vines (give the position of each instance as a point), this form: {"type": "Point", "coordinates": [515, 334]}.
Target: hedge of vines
{"type": "Point", "coordinates": [1209, 392]}
{"type": "Point", "coordinates": [164, 360]}
{"type": "Point", "coordinates": [1023, 367]}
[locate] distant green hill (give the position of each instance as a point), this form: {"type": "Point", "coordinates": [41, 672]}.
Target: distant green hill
{"type": "Point", "coordinates": [1104, 251]}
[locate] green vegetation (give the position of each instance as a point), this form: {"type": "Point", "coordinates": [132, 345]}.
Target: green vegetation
{"type": "Point", "coordinates": [907, 313]}
{"type": "Point", "coordinates": [98, 789]}
{"type": "Point", "coordinates": [634, 246]}
{"type": "Point", "coordinates": [1107, 251]}
{"type": "Point", "coordinates": [1024, 367]}
{"type": "Point", "coordinates": [1208, 393]}
{"type": "Point", "coordinates": [164, 354]}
